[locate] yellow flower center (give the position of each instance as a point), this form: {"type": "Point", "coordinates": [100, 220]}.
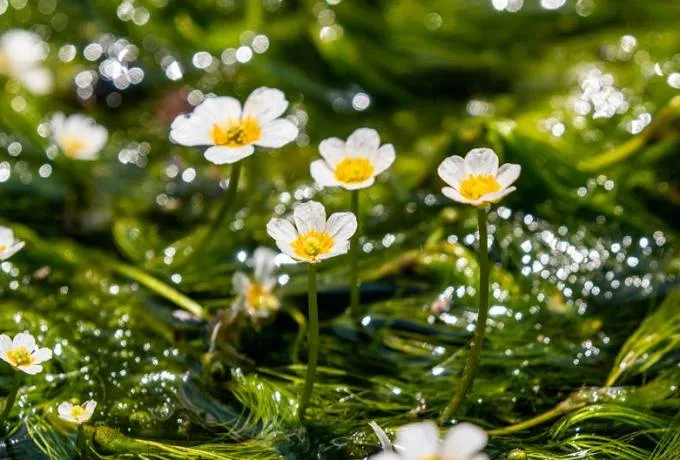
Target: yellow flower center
{"type": "Point", "coordinates": [77, 412]}
{"type": "Point", "coordinates": [236, 133]}
{"type": "Point", "coordinates": [312, 244]}
{"type": "Point", "coordinates": [474, 187]}
{"type": "Point", "coordinates": [4, 63]}
{"type": "Point", "coordinates": [260, 296]}
{"type": "Point", "coordinates": [2, 248]}
{"type": "Point", "coordinates": [430, 457]}
{"type": "Point", "coordinates": [20, 356]}
{"type": "Point", "coordinates": [353, 170]}
{"type": "Point", "coordinates": [72, 145]}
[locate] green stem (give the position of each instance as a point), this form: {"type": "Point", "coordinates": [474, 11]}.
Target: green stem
{"type": "Point", "coordinates": [11, 398]}
{"type": "Point", "coordinates": [228, 202]}
{"type": "Point", "coordinates": [157, 286]}
{"type": "Point", "coordinates": [313, 338]}
{"type": "Point", "coordinates": [478, 337]}
{"type": "Point", "coordinates": [354, 283]}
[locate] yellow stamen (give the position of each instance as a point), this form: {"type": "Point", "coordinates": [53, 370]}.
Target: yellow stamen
{"type": "Point", "coordinates": [4, 63]}
{"type": "Point", "coordinates": [260, 296]}
{"type": "Point", "coordinates": [430, 457]}
{"type": "Point", "coordinates": [236, 133]}
{"type": "Point", "coordinates": [72, 145]}
{"type": "Point", "coordinates": [2, 248]}
{"type": "Point", "coordinates": [353, 170]}
{"type": "Point", "coordinates": [77, 412]}
{"type": "Point", "coordinates": [474, 187]}
{"type": "Point", "coordinates": [20, 356]}
{"type": "Point", "coordinates": [313, 244]}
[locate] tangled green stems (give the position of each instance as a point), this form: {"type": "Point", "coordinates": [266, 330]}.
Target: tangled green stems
{"type": "Point", "coordinates": [313, 339]}
{"type": "Point", "coordinates": [478, 337]}
{"type": "Point", "coordinates": [11, 398]}
{"type": "Point", "coordinates": [354, 283]}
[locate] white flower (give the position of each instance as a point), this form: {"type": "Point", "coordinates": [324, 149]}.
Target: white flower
{"type": "Point", "coordinates": [74, 413]}
{"type": "Point", "coordinates": [231, 131]}
{"type": "Point", "coordinates": [420, 441]}
{"type": "Point", "coordinates": [79, 137]}
{"type": "Point", "coordinates": [313, 239]}
{"type": "Point", "coordinates": [21, 55]}
{"type": "Point", "coordinates": [254, 295]}
{"type": "Point", "coordinates": [352, 165]}
{"type": "Point", "coordinates": [22, 353]}
{"type": "Point", "coordinates": [8, 244]}
{"type": "Point", "coordinates": [477, 179]}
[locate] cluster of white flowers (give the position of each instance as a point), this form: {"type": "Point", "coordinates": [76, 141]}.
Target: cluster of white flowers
{"type": "Point", "coordinates": [21, 57]}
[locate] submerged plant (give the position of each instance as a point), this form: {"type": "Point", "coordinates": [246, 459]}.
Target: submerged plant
{"type": "Point", "coordinates": [353, 165]}
{"type": "Point", "coordinates": [24, 355]}
{"type": "Point", "coordinates": [312, 239]}
{"type": "Point", "coordinates": [420, 441]}
{"type": "Point", "coordinates": [479, 181]}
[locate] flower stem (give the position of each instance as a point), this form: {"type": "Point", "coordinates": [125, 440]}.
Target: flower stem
{"type": "Point", "coordinates": [478, 337]}
{"type": "Point", "coordinates": [313, 339]}
{"type": "Point", "coordinates": [354, 283]}
{"type": "Point", "coordinates": [11, 398]}
{"type": "Point", "coordinates": [228, 202]}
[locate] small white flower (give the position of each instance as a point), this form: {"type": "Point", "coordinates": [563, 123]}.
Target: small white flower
{"type": "Point", "coordinates": [313, 239]}
{"type": "Point", "coordinates": [233, 132]}
{"type": "Point", "coordinates": [254, 295]}
{"type": "Point", "coordinates": [477, 179]}
{"type": "Point", "coordinates": [8, 244]}
{"type": "Point", "coordinates": [420, 441]}
{"type": "Point", "coordinates": [79, 137]}
{"type": "Point", "coordinates": [21, 55]}
{"type": "Point", "coordinates": [74, 413]}
{"type": "Point", "coordinates": [354, 164]}
{"type": "Point", "coordinates": [22, 353]}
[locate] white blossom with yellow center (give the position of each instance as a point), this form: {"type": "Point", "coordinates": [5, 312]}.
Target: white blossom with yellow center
{"type": "Point", "coordinates": [232, 131]}
{"type": "Point", "coordinates": [23, 354]}
{"type": "Point", "coordinates": [477, 179]}
{"type": "Point", "coordinates": [313, 238]}
{"type": "Point", "coordinates": [21, 56]}
{"type": "Point", "coordinates": [78, 414]}
{"type": "Point", "coordinates": [353, 164]}
{"type": "Point", "coordinates": [256, 295]}
{"type": "Point", "coordinates": [9, 245]}
{"type": "Point", "coordinates": [420, 441]}
{"type": "Point", "coordinates": [77, 136]}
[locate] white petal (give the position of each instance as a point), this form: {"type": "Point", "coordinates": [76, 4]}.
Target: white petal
{"type": "Point", "coordinates": [277, 133]}
{"type": "Point", "coordinates": [322, 174]}
{"type": "Point", "coordinates": [9, 252]}
{"type": "Point", "coordinates": [455, 195]}
{"type": "Point", "coordinates": [89, 407]}
{"type": "Point", "coordinates": [333, 150]}
{"type": "Point", "coordinates": [265, 264]}
{"type": "Point", "coordinates": [218, 110]}
{"type": "Point", "coordinates": [240, 282]}
{"type": "Point", "coordinates": [37, 80]}
{"type": "Point", "coordinates": [96, 139]}
{"type": "Point", "coordinates": [227, 155]}
{"type": "Point", "coordinates": [281, 230]}
{"type": "Point", "coordinates": [494, 197]}
{"type": "Point", "coordinates": [508, 174]}
{"type": "Point", "coordinates": [363, 142]}
{"type": "Point", "coordinates": [418, 440]}
{"type": "Point", "coordinates": [463, 441]}
{"type": "Point", "coordinates": [479, 457]}
{"type": "Point", "coordinates": [386, 456]}
{"type": "Point", "coordinates": [57, 124]}
{"type": "Point", "coordinates": [383, 158]}
{"type": "Point", "coordinates": [42, 355]}
{"type": "Point", "coordinates": [31, 370]}
{"type": "Point", "coordinates": [6, 237]}
{"type": "Point", "coordinates": [265, 104]}
{"type": "Point", "coordinates": [310, 216]}
{"type": "Point", "coordinates": [287, 249]}
{"type": "Point", "coordinates": [359, 185]}
{"type": "Point", "coordinates": [339, 247]}
{"type": "Point", "coordinates": [64, 410]}
{"type": "Point", "coordinates": [5, 343]}
{"type": "Point", "coordinates": [24, 339]}
{"type": "Point", "coordinates": [452, 170]}
{"type": "Point", "coordinates": [191, 131]}
{"type": "Point", "coordinates": [481, 161]}
{"type": "Point", "coordinates": [342, 225]}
